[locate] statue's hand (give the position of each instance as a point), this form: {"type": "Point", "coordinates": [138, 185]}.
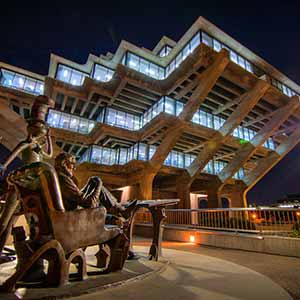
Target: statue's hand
{"type": "Point", "coordinates": [2, 170]}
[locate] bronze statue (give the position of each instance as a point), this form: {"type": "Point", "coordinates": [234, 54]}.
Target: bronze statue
{"type": "Point", "coordinates": [34, 148]}
{"type": "Point", "coordinates": [92, 195]}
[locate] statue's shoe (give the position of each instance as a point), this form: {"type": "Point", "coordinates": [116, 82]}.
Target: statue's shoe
{"type": "Point", "coordinates": [129, 208]}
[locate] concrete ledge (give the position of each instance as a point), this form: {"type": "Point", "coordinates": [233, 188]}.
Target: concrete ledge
{"type": "Point", "coordinates": [250, 242]}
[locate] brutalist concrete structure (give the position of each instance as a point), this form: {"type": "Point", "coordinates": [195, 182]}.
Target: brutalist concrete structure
{"type": "Point", "coordinates": [201, 119]}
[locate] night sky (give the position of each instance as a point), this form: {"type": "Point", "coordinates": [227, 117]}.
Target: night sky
{"type": "Point", "coordinates": [31, 30]}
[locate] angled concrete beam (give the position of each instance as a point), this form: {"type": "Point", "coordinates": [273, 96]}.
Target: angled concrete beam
{"type": "Point", "coordinates": [74, 105]}
{"type": "Point", "coordinates": [260, 118]}
{"type": "Point", "coordinates": [209, 78]}
{"type": "Point", "coordinates": [227, 105]}
{"type": "Point", "coordinates": [249, 100]}
{"type": "Point", "coordinates": [247, 150]}
{"type": "Point", "coordinates": [194, 148]}
{"type": "Point", "coordinates": [171, 136]}
{"type": "Point", "coordinates": [265, 164]}
{"type": "Point", "coordinates": [287, 129]}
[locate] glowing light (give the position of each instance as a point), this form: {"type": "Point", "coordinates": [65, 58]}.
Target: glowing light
{"type": "Point", "coordinates": [65, 74]}
{"type": "Point", "coordinates": [132, 63]}
{"type": "Point", "coordinates": [192, 239]}
{"type": "Point", "coordinates": [298, 213]}
{"type": "Point", "coordinates": [253, 216]}
{"type": "Point", "coordinates": [21, 81]}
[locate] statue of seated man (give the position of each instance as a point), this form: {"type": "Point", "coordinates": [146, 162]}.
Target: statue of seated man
{"type": "Point", "coordinates": [92, 195]}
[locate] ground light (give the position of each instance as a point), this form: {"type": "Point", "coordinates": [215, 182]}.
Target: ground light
{"type": "Point", "coordinates": [192, 239]}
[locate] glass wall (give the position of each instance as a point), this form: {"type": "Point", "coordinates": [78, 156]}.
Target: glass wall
{"type": "Point", "coordinates": [62, 120]}
{"type": "Point", "coordinates": [21, 82]}
{"type": "Point", "coordinates": [164, 51]}
{"type": "Point", "coordinates": [144, 66]}
{"type": "Point", "coordinates": [142, 151]}
{"type": "Point", "coordinates": [102, 73]}
{"type": "Point", "coordinates": [283, 88]}
{"type": "Point", "coordinates": [118, 118]}
{"type": "Point", "coordinates": [235, 57]}
{"type": "Point", "coordinates": [70, 75]}
{"type": "Point", "coordinates": [174, 107]}
{"type": "Point", "coordinates": [183, 54]}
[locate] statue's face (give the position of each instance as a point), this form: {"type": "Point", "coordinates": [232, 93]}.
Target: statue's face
{"type": "Point", "coordinates": [36, 129]}
{"type": "Point", "coordinates": [70, 165]}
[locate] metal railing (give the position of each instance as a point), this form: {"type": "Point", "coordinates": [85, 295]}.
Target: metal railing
{"type": "Point", "coordinates": [266, 221]}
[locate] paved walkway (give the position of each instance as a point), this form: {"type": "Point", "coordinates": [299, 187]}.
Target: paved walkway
{"type": "Point", "coordinates": [196, 276]}
{"type": "Point", "coordinates": [283, 270]}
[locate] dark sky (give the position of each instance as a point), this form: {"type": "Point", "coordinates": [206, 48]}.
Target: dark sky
{"type": "Point", "coordinates": [31, 30]}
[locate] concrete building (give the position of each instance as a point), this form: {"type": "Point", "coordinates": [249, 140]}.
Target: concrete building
{"type": "Point", "coordinates": [201, 119]}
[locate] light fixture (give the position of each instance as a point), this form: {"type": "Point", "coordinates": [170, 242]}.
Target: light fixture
{"type": "Point", "coordinates": [192, 239]}
{"type": "Point", "coordinates": [253, 216]}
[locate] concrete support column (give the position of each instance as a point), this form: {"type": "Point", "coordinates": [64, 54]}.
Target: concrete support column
{"type": "Point", "coordinates": [213, 197]}
{"type": "Point", "coordinates": [183, 193]}
{"type": "Point", "coordinates": [238, 198]}
{"type": "Point", "coordinates": [145, 185]}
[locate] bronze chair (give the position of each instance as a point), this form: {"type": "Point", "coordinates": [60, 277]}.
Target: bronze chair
{"type": "Point", "coordinates": [57, 235]}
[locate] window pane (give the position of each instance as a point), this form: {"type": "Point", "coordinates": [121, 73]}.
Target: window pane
{"type": "Point", "coordinates": [206, 39]}
{"type": "Point", "coordinates": [195, 41]}
{"type": "Point", "coordinates": [74, 123]}
{"type": "Point", "coordinates": [217, 45]}
{"type": "Point", "coordinates": [169, 106]}
{"type": "Point", "coordinates": [63, 73]}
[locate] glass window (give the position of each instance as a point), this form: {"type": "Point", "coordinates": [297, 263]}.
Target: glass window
{"type": "Point", "coordinates": [144, 66]}
{"type": "Point", "coordinates": [249, 66]}
{"type": "Point", "coordinates": [152, 150]}
{"type": "Point", "coordinates": [111, 116]}
{"type": "Point", "coordinates": [241, 62]}
{"type": "Point", "coordinates": [64, 121]}
{"type": "Point", "coordinates": [74, 123]}
{"type": "Point", "coordinates": [120, 121]}
{"type": "Point", "coordinates": [133, 61]}
{"type": "Point", "coordinates": [169, 106]}
{"type": "Point", "coordinates": [53, 118]}
{"type": "Point", "coordinates": [233, 56]}
{"type": "Point", "coordinates": [142, 152]}
{"type": "Point", "coordinates": [7, 78]}
{"type": "Point", "coordinates": [91, 126]}
{"type": "Point", "coordinates": [196, 117]}
{"type": "Point", "coordinates": [39, 88]}
{"type": "Point", "coordinates": [123, 156]}
{"type": "Point", "coordinates": [203, 118]}
{"type": "Point", "coordinates": [18, 81]}
{"type": "Point", "coordinates": [186, 51]}
{"type": "Point", "coordinates": [83, 126]}
{"type": "Point", "coordinates": [63, 73]}
{"type": "Point", "coordinates": [153, 70]}
{"type": "Point", "coordinates": [195, 41]}
{"type": "Point", "coordinates": [76, 78]}
{"type": "Point", "coordinates": [30, 85]}
{"type": "Point", "coordinates": [102, 73]}
{"type": "Point", "coordinates": [217, 45]}
{"type": "Point", "coordinates": [206, 39]}
{"type": "Point", "coordinates": [179, 107]}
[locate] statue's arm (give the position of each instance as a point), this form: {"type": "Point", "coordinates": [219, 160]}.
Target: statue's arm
{"type": "Point", "coordinates": [49, 147]}
{"type": "Point", "coordinates": [16, 151]}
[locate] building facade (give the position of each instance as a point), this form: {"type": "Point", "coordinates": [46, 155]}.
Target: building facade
{"type": "Point", "coordinates": [201, 118]}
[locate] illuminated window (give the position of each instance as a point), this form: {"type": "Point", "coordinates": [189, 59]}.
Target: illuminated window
{"type": "Point", "coordinates": [102, 73]}
{"type": "Point", "coordinates": [21, 82]}
{"type": "Point", "coordinates": [70, 75]}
